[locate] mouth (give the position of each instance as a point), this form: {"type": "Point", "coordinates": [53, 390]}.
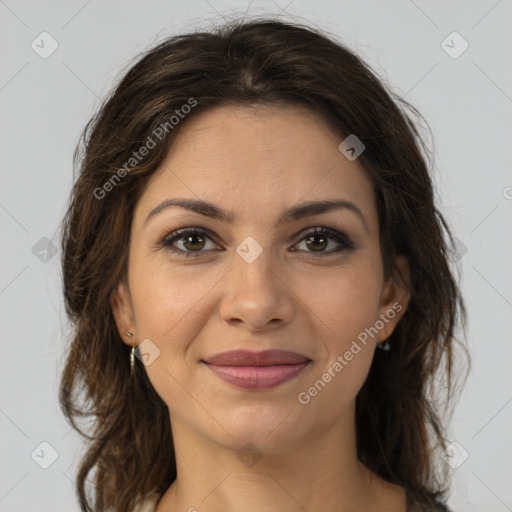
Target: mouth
{"type": "Point", "coordinates": [257, 370]}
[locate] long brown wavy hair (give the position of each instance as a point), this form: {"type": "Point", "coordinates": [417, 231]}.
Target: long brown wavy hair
{"type": "Point", "coordinates": [400, 422]}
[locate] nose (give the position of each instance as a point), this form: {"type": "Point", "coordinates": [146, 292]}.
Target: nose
{"type": "Point", "coordinates": [256, 294]}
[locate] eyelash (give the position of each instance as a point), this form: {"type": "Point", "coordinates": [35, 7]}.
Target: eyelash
{"type": "Point", "coordinates": [341, 238]}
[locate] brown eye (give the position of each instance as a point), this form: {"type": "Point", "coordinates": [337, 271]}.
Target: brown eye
{"type": "Point", "coordinates": [191, 242]}
{"type": "Point", "coordinates": [194, 241]}
{"type": "Point", "coordinates": [317, 241]}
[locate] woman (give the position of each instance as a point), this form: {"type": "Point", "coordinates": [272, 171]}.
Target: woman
{"type": "Point", "coordinates": [259, 283]}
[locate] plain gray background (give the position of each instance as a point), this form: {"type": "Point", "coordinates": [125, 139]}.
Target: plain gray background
{"type": "Point", "coordinates": [45, 103]}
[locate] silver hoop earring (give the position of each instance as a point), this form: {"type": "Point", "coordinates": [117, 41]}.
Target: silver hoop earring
{"type": "Point", "coordinates": [132, 361]}
{"type": "Point", "coordinates": [132, 355]}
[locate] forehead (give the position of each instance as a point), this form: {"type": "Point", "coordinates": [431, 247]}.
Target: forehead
{"type": "Point", "coordinates": [257, 159]}
{"type": "Point", "coordinates": [256, 133]}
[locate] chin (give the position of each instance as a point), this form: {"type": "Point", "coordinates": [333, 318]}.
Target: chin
{"type": "Point", "coordinates": [269, 430]}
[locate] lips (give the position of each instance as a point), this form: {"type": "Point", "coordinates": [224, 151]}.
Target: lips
{"type": "Point", "coordinates": [257, 370]}
{"type": "Point", "coordinates": [248, 358]}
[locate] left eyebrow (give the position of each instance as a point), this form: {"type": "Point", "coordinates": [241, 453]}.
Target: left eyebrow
{"type": "Point", "coordinates": [318, 207]}
{"type": "Point", "coordinates": [294, 213]}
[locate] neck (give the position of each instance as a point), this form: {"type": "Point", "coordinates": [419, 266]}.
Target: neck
{"type": "Point", "coordinates": [318, 473]}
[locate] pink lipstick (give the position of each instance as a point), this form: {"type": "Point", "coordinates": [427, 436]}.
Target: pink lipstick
{"type": "Point", "coordinates": [257, 370]}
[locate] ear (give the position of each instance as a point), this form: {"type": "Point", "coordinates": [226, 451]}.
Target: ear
{"type": "Point", "coordinates": [122, 311]}
{"type": "Point", "coordinates": [394, 299]}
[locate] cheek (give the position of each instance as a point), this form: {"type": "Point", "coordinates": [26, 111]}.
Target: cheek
{"type": "Point", "coordinates": [347, 311]}
{"type": "Point", "coordinates": [171, 307]}
{"type": "Point", "coordinates": [171, 320]}
{"type": "Point", "coordinates": [170, 302]}
{"type": "Point", "coordinates": [346, 349]}
{"type": "Point", "coordinates": [348, 304]}
{"type": "Point", "coordinates": [334, 387]}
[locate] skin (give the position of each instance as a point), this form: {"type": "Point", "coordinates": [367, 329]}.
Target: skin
{"type": "Point", "coordinates": [257, 162]}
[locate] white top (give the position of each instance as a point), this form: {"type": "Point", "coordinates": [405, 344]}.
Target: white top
{"type": "Point", "coordinates": [148, 505]}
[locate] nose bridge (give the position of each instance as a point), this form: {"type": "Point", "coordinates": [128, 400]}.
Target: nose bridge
{"type": "Point", "coordinates": [254, 291]}
{"type": "Point", "coordinates": [255, 264]}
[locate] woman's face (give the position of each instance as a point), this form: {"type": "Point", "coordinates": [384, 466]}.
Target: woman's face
{"type": "Point", "coordinates": [258, 279]}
